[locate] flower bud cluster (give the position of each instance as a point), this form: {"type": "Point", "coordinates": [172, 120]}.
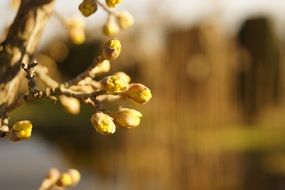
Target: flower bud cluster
{"type": "Point", "coordinates": [105, 123]}
{"type": "Point", "coordinates": [125, 117]}
{"type": "Point", "coordinates": [119, 85]}
{"type": "Point", "coordinates": [116, 20]}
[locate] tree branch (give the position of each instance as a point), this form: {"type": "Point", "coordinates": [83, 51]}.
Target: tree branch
{"type": "Point", "coordinates": [20, 43]}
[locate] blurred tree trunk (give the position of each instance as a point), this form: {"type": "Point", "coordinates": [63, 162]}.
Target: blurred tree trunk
{"type": "Point", "coordinates": [195, 83]}
{"type": "Point", "coordinates": [259, 87]}
{"type": "Point", "coordinates": [259, 77]}
{"type": "Point", "coordinates": [21, 41]}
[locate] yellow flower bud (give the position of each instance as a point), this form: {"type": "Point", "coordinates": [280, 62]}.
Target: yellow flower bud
{"type": "Point", "coordinates": [128, 118]}
{"type": "Point", "coordinates": [125, 20]}
{"type": "Point", "coordinates": [65, 180]}
{"type": "Point", "coordinates": [76, 32]}
{"type": "Point", "coordinates": [113, 3]}
{"type": "Point", "coordinates": [103, 123]}
{"type": "Point", "coordinates": [77, 36]}
{"type": "Point", "coordinates": [75, 175]}
{"type": "Point", "coordinates": [71, 105]}
{"type": "Point", "coordinates": [21, 130]}
{"type": "Point", "coordinates": [139, 93]}
{"type": "Point", "coordinates": [88, 7]}
{"type": "Point", "coordinates": [113, 84]}
{"type": "Point", "coordinates": [112, 49]}
{"type": "Point", "coordinates": [68, 179]}
{"type": "Point", "coordinates": [123, 76]}
{"type": "Point", "coordinates": [111, 27]}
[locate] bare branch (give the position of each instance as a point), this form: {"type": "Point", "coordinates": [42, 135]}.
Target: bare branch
{"type": "Point", "coordinates": [86, 73]}
{"type": "Point", "coordinates": [21, 41]}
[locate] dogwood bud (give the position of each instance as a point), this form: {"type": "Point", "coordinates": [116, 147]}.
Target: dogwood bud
{"type": "Point", "coordinates": [128, 118]}
{"type": "Point", "coordinates": [139, 93]}
{"type": "Point", "coordinates": [112, 49]}
{"type": "Point", "coordinates": [103, 123]}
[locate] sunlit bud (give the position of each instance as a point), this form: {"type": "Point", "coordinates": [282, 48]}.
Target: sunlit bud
{"type": "Point", "coordinates": [103, 67]}
{"type": "Point", "coordinates": [76, 30]}
{"type": "Point", "coordinates": [112, 49]}
{"type": "Point", "coordinates": [71, 105]}
{"type": "Point", "coordinates": [103, 123]}
{"type": "Point", "coordinates": [75, 175]}
{"type": "Point", "coordinates": [88, 7]}
{"type": "Point", "coordinates": [77, 36]}
{"type": "Point", "coordinates": [21, 130]}
{"type": "Point", "coordinates": [113, 3]}
{"type": "Point", "coordinates": [111, 27]}
{"type": "Point", "coordinates": [123, 76]}
{"type": "Point", "coordinates": [139, 93]}
{"type": "Point", "coordinates": [113, 84]}
{"type": "Point", "coordinates": [128, 117]}
{"type": "Point", "coordinates": [125, 20]}
{"type": "Point", "coordinates": [65, 180]}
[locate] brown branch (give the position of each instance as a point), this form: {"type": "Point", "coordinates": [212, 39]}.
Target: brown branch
{"type": "Point", "coordinates": [86, 73]}
{"type": "Point", "coordinates": [54, 93]}
{"type": "Point", "coordinates": [21, 41]}
{"type": "Point", "coordinates": [30, 74]}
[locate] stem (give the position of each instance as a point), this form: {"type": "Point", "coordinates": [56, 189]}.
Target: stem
{"type": "Point", "coordinates": [107, 9]}
{"type": "Point", "coordinates": [84, 74]}
{"type": "Point", "coordinates": [22, 40]}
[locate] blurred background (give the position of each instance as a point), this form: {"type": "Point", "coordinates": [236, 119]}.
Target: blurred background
{"type": "Point", "coordinates": [216, 120]}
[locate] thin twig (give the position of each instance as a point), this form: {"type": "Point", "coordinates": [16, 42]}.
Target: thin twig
{"type": "Point", "coordinates": [107, 9]}
{"type": "Point", "coordinates": [30, 74]}
{"type": "Point", "coordinates": [84, 74]}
